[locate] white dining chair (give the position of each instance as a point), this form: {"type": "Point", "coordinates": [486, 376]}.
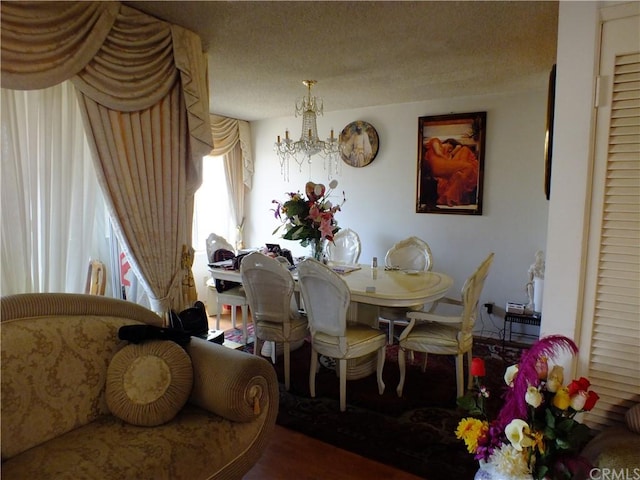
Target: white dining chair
{"type": "Point", "coordinates": [431, 332]}
{"type": "Point", "coordinates": [269, 287]}
{"type": "Point", "coordinates": [345, 247]}
{"type": "Point", "coordinates": [214, 243]}
{"type": "Point", "coordinates": [234, 297]}
{"type": "Point", "coordinates": [410, 255]}
{"type": "Point", "coordinates": [326, 298]}
{"type": "Point", "coordinates": [96, 278]}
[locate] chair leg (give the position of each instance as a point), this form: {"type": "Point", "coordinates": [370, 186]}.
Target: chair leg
{"type": "Point", "coordinates": [256, 346]}
{"type": "Point", "coordinates": [274, 352]}
{"type": "Point", "coordinates": [343, 384]}
{"type": "Point", "coordinates": [460, 374]}
{"type": "Point", "coordinates": [470, 380]}
{"type": "Point", "coordinates": [287, 365]}
{"type": "Point", "coordinates": [218, 314]}
{"type": "Point", "coordinates": [402, 367]}
{"type": "Point", "coordinates": [424, 363]}
{"type": "Point", "coordinates": [390, 331]}
{"type": "Point", "coordinates": [244, 324]}
{"type": "Point", "coordinates": [233, 315]}
{"type": "Point", "coordinates": [312, 372]}
{"type": "Point", "coordinates": [381, 356]}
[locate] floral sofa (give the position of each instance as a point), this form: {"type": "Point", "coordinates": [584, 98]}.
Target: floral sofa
{"type": "Point", "coordinates": [58, 352]}
{"type": "Point", "coordinates": [616, 448]}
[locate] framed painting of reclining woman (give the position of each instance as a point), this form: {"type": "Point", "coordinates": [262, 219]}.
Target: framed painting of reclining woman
{"type": "Point", "coordinates": [451, 163]}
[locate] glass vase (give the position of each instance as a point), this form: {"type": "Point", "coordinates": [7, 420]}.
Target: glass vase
{"type": "Point", "coordinates": [317, 250]}
{"type": "Point", "coordinates": [487, 471]}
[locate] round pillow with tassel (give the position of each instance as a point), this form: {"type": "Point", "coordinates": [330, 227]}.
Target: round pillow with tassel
{"type": "Point", "coordinates": [149, 383]}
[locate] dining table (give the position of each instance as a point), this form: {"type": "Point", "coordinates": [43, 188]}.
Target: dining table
{"type": "Point", "coordinates": [372, 288]}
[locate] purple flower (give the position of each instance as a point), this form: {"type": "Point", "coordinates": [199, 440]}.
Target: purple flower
{"type": "Point", "coordinates": [493, 439]}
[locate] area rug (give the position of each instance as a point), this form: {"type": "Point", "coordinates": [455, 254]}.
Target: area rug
{"type": "Point", "coordinates": [414, 433]}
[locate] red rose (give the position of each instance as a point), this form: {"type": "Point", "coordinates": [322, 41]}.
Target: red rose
{"type": "Point", "coordinates": [578, 385]}
{"type": "Point", "coordinates": [592, 398]}
{"type": "Point", "coordinates": [477, 367]}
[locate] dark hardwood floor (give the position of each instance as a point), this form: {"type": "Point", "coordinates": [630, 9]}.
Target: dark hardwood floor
{"type": "Point", "coordinates": [292, 455]}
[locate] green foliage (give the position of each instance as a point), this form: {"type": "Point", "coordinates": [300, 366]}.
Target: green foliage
{"type": "Point", "coordinates": [473, 401]}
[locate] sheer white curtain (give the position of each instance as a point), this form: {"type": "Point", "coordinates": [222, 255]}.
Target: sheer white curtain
{"type": "Point", "coordinates": [53, 214]}
{"type": "Point", "coordinates": [145, 110]}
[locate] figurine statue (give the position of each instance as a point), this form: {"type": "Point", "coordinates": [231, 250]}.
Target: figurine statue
{"type": "Point", "coordinates": [530, 306]}
{"type": "Point", "coordinates": [534, 285]}
{"type": "Point", "coordinates": [537, 269]}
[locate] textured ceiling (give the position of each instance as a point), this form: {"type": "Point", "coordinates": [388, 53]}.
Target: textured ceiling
{"type": "Point", "coordinates": [364, 53]}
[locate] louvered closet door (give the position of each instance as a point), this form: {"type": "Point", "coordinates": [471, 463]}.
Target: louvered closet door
{"type": "Point", "coordinates": [610, 341]}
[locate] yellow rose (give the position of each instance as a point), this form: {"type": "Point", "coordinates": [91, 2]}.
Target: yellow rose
{"type": "Point", "coordinates": [533, 397]}
{"type": "Point", "coordinates": [561, 399]}
{"type": "Point", "coordinates": [555, 379]}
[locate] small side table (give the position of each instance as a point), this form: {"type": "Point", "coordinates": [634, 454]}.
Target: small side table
{"type": "Point", "coordinates": [522, 318]}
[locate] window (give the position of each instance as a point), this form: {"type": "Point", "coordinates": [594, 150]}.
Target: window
{"type": "Point", "coordinates": [211, 206]}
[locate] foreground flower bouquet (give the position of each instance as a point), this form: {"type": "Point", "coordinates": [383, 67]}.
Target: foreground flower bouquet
{"type": "Point", "coordinates": [310, 220]}
{"type": "Point", "coordinates": [535, 434]}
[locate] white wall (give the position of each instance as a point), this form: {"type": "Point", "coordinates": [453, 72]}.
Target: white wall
{"type": "Point", "coordinates": [517, 220]}
{"type": "Point", "coordinates": [381, 197]}
{"type": "Point", "coordinates": [578, 34]}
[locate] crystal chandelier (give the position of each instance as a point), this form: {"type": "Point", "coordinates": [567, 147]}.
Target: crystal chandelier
{"type": "Point", "coordinates": [309, 144]}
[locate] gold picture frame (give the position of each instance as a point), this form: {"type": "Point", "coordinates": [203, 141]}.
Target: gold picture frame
{"type": "Point", "coordinates": [359, 144]}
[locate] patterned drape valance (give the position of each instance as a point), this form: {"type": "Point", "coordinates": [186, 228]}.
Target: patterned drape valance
{"type": "Point", "coordinates": [227, 132]}
{"type": "Point", "coordinates": [45, 43]}
{"type": "Point", "coordinates": [119, 57]}
{"type": "Point", "coordinates": [144, 99]}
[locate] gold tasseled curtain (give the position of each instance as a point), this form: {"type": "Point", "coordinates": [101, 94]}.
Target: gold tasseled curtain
{"type": "Point", "coordinates": [232, 140]}
{"type": "Point", "coordinates": [141, 86]}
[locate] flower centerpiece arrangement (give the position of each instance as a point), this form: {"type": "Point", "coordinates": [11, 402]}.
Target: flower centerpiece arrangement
{"type": "Point", "coordinates": [535, 434]}
{"type": "Point", "coordinates": [309, 218]}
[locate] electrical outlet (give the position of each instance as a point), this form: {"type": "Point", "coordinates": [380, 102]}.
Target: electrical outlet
{"type": "Point", "coordinates": [489, 307]}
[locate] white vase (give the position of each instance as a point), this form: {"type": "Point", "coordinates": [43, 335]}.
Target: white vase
{"type": "Point", "coordinates": [487, 471]}
{"type": "Point", "coordinates": [538, 287]}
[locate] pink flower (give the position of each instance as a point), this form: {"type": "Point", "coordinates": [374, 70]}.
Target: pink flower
{"type": "Point", "coordinates": [310, 218]}
{"type": "Point", "coordinates": [326, 230]}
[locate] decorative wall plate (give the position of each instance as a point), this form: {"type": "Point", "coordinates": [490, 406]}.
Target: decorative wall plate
{"type": "Point", "coordinates": [358, 144]}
